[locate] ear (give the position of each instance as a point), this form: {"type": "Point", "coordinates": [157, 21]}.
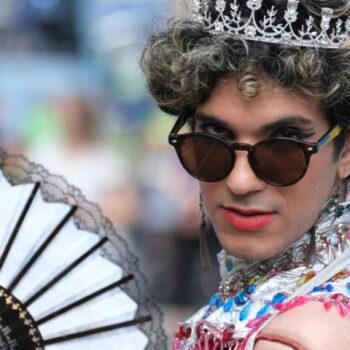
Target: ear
{"type": "Point", "coordinates": [344, 158]}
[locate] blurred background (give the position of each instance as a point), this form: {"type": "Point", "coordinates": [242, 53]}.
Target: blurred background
{"type": "Point", "coordinates": [72, 97]}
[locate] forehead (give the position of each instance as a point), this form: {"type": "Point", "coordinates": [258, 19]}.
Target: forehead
{"type": "Point", "coordinates": [272, 104]}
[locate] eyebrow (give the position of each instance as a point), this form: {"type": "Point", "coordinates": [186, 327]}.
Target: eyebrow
{"type": "Point", "coordinates": [296, 120]}
{"type": "Point", "coordinates": [211, 119]}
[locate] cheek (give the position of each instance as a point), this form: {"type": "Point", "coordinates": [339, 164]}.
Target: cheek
{"type": "Point", "coordinates": [322, 173]}
{"type": "Point", "coordinates": [307, 198]}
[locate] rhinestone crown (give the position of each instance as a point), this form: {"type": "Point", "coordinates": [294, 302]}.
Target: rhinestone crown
{"type": "Point", "coordinates": [228, 18]}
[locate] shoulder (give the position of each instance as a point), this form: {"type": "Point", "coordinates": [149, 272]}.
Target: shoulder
{"type": "Point", "coordinates": [311, 326]}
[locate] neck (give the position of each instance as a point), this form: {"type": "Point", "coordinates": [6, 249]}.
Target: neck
{"type": "Point", "coordinates": [326, 234]}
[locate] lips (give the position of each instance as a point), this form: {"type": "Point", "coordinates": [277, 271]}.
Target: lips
{"type": "Point", "coordinates": [248, 219]}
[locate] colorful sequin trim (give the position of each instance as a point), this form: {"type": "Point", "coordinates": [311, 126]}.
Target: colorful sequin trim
{"type": "Point", "coordinates": [209, 337]}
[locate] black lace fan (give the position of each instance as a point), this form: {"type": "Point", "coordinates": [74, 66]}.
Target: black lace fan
{"type": "Point", "coordinates": [67, 280]}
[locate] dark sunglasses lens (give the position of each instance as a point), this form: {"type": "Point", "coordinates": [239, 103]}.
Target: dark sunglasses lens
{"type": "Point", "coordinates": [205, 157]}
{"type": "Point", "coordinates": [279, 162]}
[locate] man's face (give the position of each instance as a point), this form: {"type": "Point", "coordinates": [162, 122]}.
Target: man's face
{"type": "Point", "coordinates": [252, 219]}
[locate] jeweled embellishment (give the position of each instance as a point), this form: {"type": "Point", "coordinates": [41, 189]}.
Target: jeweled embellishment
{"type": "Point", "coordinates": [278, 298]}
{"type": "Point", "coordinates": [184, 331]}
{"type": "Point", "coordinates": [242, 298]}
{"type": "Point", "coordinates": [254, 4]}
{"type": "Point", "coordinates": [263, 311]}
{"type": "Point", "coordinates": [220, 5]}
{"type": "Point", "coordinates": [229, 305]}
{"type": "Point", "coordinates": [215, 301]}
{"type": "Point", "coordinates": [211, 338]}
{"type": "Point", "coordinates": [276, 26]}
{"type": "Point", "coordinates": [250, 31]}
{"type": "Point", "coordinates": [229, 265]}
{"type": "Point", "coordinates": [341, 275]}
{"type": "Point", "coordinates": [208, 337]}
{"type": "Point", "coordinates": [306, 277]}
{"type": "Point", "coordinates": [228, 333]}
{"type": "Point", "coordinates": [291, 12]}
{"type": "Point", "coordinates": [243, 315]}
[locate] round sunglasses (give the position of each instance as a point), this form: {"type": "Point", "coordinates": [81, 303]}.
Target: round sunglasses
{"type": "Point", "coordinates": [277, 161]}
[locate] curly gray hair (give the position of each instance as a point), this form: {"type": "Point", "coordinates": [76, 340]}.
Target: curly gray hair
{"type": "Point", "coordinates": [183, 64]}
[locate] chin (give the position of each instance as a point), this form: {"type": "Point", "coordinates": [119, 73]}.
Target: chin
{"type": "Point", "coordinates": [253, 253]}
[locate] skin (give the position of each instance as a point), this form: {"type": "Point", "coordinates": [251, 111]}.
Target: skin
{"type": "Point", "coordinates": [295, 208]}
{"type": "Point", "coordinates": [312, 326]}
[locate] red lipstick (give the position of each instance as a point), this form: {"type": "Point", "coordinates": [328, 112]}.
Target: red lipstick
{"type": "Point", "coordinates": [248, 219]}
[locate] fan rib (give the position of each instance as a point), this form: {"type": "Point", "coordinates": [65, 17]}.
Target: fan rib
{"type": "Point", "coordinates": [87, 298]}
{"type": "Point", "coordinates": [63, 273]}
{"type": "Point", "coordinates": [19, 224]}
{"type": "Point", "coordinates": [45, 244]}
{"type": "Point", "coordinates": [94, 331]}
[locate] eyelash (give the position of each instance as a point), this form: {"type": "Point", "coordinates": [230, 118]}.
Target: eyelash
{"type": "Point", "coordinates": [287, 132]}
{"type": "Point", "coordinates": [292, 133]}
{"type": "Point", "coordinates": [215, 129]}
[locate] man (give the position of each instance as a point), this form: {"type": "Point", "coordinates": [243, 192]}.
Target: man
{"type": "Point", "coordinates": [265, 89]}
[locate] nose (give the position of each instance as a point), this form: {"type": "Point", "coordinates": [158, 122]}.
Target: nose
{"type": "Point", "coordinates": [242, 179]}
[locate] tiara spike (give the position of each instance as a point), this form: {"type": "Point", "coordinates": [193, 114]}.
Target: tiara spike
{"type": "Point", "coordinates": [230, 20]}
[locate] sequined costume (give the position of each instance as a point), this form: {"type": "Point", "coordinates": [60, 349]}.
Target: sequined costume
{"type": "Point", "coordinates": [316, 267]}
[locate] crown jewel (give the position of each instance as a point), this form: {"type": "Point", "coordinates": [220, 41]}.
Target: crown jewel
{"type": "Point", "coordinates": [228, 18]}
